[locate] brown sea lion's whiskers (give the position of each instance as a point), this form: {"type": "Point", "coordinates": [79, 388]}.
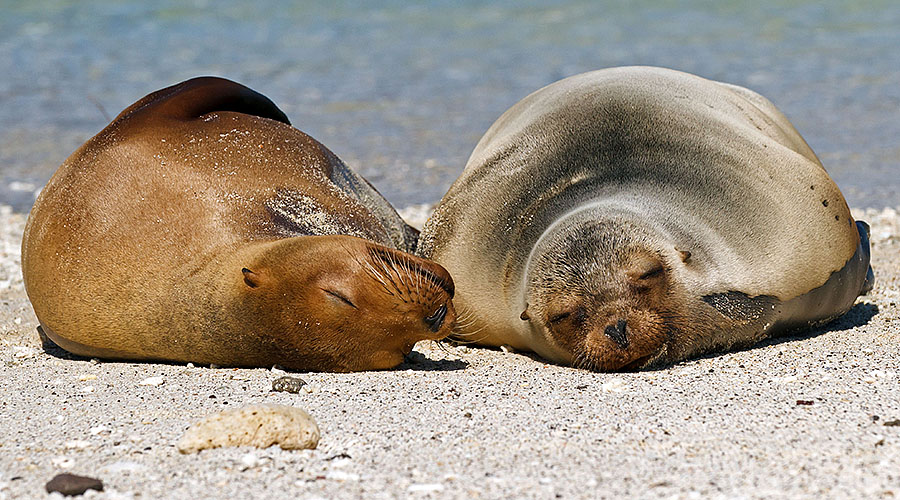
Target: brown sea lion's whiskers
{"type": "Point", "coordinates": [374, 273]}
{"type": "Point", "coordinates": [441, 346]}
{"type": "Point", "coordinates": [370, 269]}
{"type": "Point", "coordinates": [407, 278]}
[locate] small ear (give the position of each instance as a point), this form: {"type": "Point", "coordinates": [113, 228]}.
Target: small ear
{"type": "Point", "coordinates": [252, 279]}
{"type": "Point", "coordinates": [685, 255]}
{"type": "Point", "coordinates": [524, 316]}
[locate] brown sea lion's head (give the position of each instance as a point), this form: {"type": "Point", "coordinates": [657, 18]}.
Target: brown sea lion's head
{"type": "Point", "coordinates": [340, 303]}
{"type": "Point", "coordinates": [606, 298]}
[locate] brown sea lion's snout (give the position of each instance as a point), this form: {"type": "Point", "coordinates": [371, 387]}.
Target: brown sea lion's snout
{"type": "Point", "coordinates": [357, 304]}
{"type": "Point", "coordinates": [422, 285]}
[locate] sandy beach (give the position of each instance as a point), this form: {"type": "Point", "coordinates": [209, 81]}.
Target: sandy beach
{"type": "Point", "coordinates": [402, 92]}
{"type": "Point", "coordinates": [810, 416]}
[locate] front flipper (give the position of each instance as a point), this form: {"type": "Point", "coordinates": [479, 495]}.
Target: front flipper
{"type": "Point", "coordinates": [740, 307]}
{"type": "Point", "coordinates": [196, 97]}
{"type": "Point", "coordinates": [835, 297]}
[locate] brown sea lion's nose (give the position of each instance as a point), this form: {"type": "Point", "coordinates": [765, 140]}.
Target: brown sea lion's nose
{"type": "Point", "coordinates": [436, 320]}
{"type": "Point", "coordinates": [617, 333]}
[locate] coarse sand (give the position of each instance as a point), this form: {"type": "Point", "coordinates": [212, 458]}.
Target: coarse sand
{"type": "Point", "coordinates": [809, 416]}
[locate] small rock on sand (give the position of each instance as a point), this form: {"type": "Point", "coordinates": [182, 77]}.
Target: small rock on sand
{"type": "Point", "coordinates": [70, 484]}
{"type": "Point", "coordinates": [288, 384]}
{"type": "Point", "coordinates": [260, 426]}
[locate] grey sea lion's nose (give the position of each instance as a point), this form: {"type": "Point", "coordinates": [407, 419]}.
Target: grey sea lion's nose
{"type": "Point", "coordinates": [617, 333]}
{"type": "Point", "coordinates": [436, 319]}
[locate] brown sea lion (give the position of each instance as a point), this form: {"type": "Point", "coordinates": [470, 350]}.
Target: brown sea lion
{"type": "Point", "coordinates": [634, 217]}
{"type": "Point", "coordinates": [200, 226]}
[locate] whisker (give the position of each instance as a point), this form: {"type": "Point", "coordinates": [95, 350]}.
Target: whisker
{"type": "Point", "coordinates": [378, 277]}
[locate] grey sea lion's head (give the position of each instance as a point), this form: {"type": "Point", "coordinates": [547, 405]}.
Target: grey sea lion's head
{"type": "Point", "coordinates": [605, 294]}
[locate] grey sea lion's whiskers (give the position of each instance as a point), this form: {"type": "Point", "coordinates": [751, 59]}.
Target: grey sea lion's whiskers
{"type": "Point", "coordinates": [583, 361]}
{"type": "Point", "coordinates": [468, 337]}
{"type": "Point", "coordinates": [464, 318]}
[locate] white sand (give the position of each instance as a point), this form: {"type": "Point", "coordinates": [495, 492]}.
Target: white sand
{"type": "Point", "coordinates": [801, 417]}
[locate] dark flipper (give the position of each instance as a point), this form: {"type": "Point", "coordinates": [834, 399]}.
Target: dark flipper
{"type": "Point", "coordinates": [863, 228]}
{"type": "Point", "coordinates": [198, 96]}
{"type": "Point", "coordinates": [740, 307]}
{"type": "Point", "coordinates": [818, 306]}
{"type": "Point", "coordinates": [837, 295]}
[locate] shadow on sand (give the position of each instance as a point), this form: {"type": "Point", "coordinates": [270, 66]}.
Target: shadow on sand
{"type": "Point", "coordinates": [413, 361]}
{"type": "Point", "coordinates": [417, 361]}
{"type": "Point", "coordinates": [858, 315]}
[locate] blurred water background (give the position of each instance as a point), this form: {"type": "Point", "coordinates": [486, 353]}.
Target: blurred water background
{"type": "Point", "coordinates": [402, 91]}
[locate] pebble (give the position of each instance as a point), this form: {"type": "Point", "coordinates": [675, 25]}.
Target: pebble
{"type": "Point", "coordinates": [288, 384]}
{"type": "Point", "coordinates": [153, 381]}
{"type": "Point", "coordinates": [250, 460]}
{"type": "Point", "coordinates": [71, 485]}
{"type": "Point", "coordinates": [85, 378]}
{"type": "Point", "coordinates": [260, 426]}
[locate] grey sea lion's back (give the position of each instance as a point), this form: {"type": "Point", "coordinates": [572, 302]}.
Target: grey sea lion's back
{"type": "Point", "coordinates": [712, 168]}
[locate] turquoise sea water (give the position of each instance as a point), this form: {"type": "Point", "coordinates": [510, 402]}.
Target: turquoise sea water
{"type": "Point", "coordinates": [403, 91]}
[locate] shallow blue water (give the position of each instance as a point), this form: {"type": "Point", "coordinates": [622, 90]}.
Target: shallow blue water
{"type": "Point", "coordinates": [403, 92]}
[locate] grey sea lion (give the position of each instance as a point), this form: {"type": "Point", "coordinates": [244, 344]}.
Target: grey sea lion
{"type": "Point", "coordinates": [200, 226]}
{"type": "Point", "coordinates": [634, 217]}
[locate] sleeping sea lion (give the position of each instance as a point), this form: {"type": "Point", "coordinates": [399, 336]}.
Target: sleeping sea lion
{"type": "Point", "coordinates": [634, 217]}
{"type": "Point", "coordinates": [200, 226]}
